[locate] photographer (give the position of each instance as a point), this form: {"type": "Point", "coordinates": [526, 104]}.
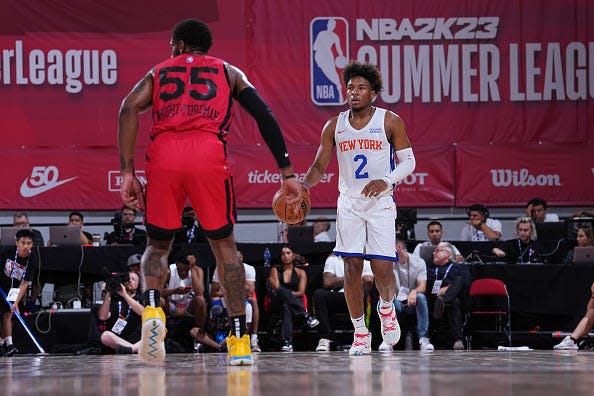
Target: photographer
{"type": "Point", "coordinates": [124, 231]}
{"type": "Point", "coordinates": [121, 311]}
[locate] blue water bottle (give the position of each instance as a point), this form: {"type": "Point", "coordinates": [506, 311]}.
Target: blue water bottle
{"type": "Point", "coordinates": [266, 258]}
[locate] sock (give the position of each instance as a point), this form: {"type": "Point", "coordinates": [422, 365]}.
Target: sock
{"type": "Point", "coordinates": [238, 327]}
{"type": "Point", "coordinates": [254, 337]}
{"type": "Point", "coordinates": [573, 339]}
{"type": "Point", "coordinates": [151, 297]}
{"type": "Point", "coordinates": [385, 307]}
{"type": "Point", "coordinates": [359, 325]}
{"type": "Point", "coordinates": [9, 340]}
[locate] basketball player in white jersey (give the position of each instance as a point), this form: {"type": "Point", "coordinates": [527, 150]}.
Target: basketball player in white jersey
{"type": "Point", "coordinates": [365, 138]}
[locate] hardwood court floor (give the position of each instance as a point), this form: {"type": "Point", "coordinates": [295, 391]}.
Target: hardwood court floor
{"type": "Point", "coordinates": [481, 373]}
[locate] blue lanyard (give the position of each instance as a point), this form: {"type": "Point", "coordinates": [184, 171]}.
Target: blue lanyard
{"type": "Point", "coordinates": [120, 311]}
{"type": "Point", "coordinates": [446, 273]}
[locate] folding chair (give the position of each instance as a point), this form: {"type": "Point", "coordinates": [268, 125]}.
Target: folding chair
{"type": "Point", "coordinates": [489, 311]}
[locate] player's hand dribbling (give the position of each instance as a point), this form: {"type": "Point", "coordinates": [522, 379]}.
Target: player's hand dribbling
{"type": "Point", "coordinates": [132, 192]}
{"type": "Point", "coordinates": [292, 190]}
{"type": "Point", "coordinates": [374, 188]}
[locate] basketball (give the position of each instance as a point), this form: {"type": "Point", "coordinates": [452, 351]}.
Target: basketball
{"type": "Point", "coordinates": [291, 214]}
{"type": "Point", "coordinates": [341, 62]}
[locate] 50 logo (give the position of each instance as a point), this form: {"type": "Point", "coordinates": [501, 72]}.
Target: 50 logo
{"type": "Point", "coordinates": [42, 179]}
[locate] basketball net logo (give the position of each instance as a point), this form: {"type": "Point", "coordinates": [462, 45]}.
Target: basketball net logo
{"type": "Point", "coordinates": [329, 54]}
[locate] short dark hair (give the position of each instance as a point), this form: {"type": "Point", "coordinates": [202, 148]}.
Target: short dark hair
{"type": "Point", "coordinates": [537, 202]}
{"type": "Point", "coordinates": [76, 214]}
{"type": "Point", "coordinates": [434, 222]}
{"type": "Point", "coordinates": [478, 208]}
{"type": "Point", "coordinates": [24, 233]}
{"type": "Point", "coordinates": [126, 207]}
{"type": "Point", "coordinates": [194, 33]}
{"type": "Point", "coordinates": [366, 70]}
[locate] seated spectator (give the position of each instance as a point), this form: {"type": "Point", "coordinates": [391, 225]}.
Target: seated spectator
{"type": "Point", "coordinates": [124, 230]}
{"type": "Point", "coordinates": [536, 209]}
{"type": "Point", "coordinates": [480, 226]}
{"type": "Point", "coordinates": [21, 219]}
{"type": "Point", "coordinates": [183, 295]}
{"type": "Point", "coordinates": [448, 282]}
{"type": "Point", "coordinates": [133, 263]}
{"type": "Point", "coordinates": [411, 283]}
{"type": "Point", "coordinates": [585, 237]}
{"type": "Point", "coordinates": [583, 213]}
{"type": "Point", "coordinates": [252, 310]}
{"type": "Point", "coordinates": [330, 298]}
{"type": "Point", "coordinates": [121, 314]}
{"type": "Point", "coordinates": [287, 286]}
{"type": "Point", "coordinates": [582, 329]}
{"type": "Point", "coordinates": [191, 231]}
{"type": "Point", "coordinates": [524, 248]}
{"type": "Point", "coordinates": [77, 219]}
{"type": "Point", "coordinates": [435, 232]}
{"type": "Point", "coordinates": [321, 226]}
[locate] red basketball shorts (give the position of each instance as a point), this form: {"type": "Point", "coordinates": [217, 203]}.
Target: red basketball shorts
{"type": "Point", "coordinates": [188, 165]}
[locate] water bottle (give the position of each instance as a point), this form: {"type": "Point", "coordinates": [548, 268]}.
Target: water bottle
{"type": "Point", "coordinates": [266, 258]}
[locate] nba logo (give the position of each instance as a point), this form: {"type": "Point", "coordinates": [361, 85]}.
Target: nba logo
{"type": "Point", "coordinates": [329, 43]}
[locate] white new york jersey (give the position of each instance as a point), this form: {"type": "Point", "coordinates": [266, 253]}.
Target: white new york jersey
{"type": "Point", "coordinates": [363, 154]}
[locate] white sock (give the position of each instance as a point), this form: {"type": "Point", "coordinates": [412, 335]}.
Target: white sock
{"type": "Point", "coordinates": [254, 337]}
{"type": "Point", "coordinates": [359, 324]}
{"type": "Point", "coordinates": [385, 307]}
{"type": "Point", "coordinates": [9, 340]}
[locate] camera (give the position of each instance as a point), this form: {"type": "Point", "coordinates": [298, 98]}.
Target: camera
{"type": "Point", "coordinates": [114, 281]}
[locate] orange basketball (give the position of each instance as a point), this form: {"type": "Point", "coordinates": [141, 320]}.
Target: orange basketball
{"type": "Point", "coordinates": [291, 214]}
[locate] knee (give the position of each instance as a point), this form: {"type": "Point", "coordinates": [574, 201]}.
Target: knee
{"type": "Point", "coordinates": [421, 298]}
{"type": "Point", "coordinates": [105, 337]}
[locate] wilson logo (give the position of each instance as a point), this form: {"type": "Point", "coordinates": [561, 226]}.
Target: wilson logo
{"type": "Point", "coordinates": [522, 178]}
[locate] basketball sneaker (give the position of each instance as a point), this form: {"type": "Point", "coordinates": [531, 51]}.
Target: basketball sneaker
{"type": "Point", "coordinates": [566, 344]}
{"type": "Point", "coordinates": [239, 352]}
{"type": "Point", "coordinates": [390, 326]}
{"type": "Point", "coordinates": [152, 345]}
{"type": "Point", "coordinates": [361, 345]}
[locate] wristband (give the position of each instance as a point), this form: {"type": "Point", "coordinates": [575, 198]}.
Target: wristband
{"type": "Point", "coordinates": [288, 177]}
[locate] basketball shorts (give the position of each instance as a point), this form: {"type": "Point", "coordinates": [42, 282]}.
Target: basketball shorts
{"type": "Point", "coordinates": [189, 165]}
{"type": "Point", "coordinates": [366, 227]}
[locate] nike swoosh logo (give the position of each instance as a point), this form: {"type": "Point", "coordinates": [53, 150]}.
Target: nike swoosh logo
{"type": "Point", "coordinates": [339, 132]}
{"type": "Point", "coordinates": [29, 192]}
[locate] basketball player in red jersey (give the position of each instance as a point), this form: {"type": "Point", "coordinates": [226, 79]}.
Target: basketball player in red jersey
{"type": "Point", "coordinates": [190, 95]}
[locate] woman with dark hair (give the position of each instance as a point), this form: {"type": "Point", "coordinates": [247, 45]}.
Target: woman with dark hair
{"type": "Point", "coordinates": [584, 237]}
{"type": "Point", "coordinates": [286, 288]}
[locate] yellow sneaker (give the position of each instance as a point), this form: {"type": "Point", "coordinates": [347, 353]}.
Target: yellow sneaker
{"type": "Point", "coordinates": [152, 345]}
{"type": "Point", "coordinates": [239, 351]}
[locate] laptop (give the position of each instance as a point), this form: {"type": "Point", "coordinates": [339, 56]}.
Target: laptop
{"type": "Point", "coordinates": [299, 234]}
{"type": "Point", "coordinates": [8, 235]}
{"type": "Point", "coordinates": [426, 253]}
{"type": "Point", "coordinates": [583, 255]}
{"type": "Point", "coordinates": [65, 235]}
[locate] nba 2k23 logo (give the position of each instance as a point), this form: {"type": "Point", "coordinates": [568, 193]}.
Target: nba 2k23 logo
{"type": "Point", "coordinates": [329, 54]}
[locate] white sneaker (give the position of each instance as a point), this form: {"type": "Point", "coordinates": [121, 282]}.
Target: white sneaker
{"type": "Point", "coordinates": [385, 347]}
{"type": "Point", "coordinates": [254, 345]}
{"type": "Point", "coordinates": [390, 326]}
{"type": "Point", "coordinates": [425, 344]}
{"type": "Point", "coordinates": [361, 345]}
{"type": "Point", "coordinates": [287, 347]}
{"type": "Point", "coordinates": [566, 344]}
{"type": "Point", "coordinates": [323, 345]}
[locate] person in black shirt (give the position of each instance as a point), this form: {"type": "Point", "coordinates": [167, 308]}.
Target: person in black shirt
{"type": "Point", "coordinates": [124, 230]}
{"type": "Point", "coordinates": [18, 267]}
{"type": "Point", "coordinates": [448, 282]}
{"type": "Point", "coordinates": [525, 248]}
{"type": "Point", "coordinates": [121, 315]}
{"type": "Point", "coordinates": [191, 231]}
{"type": "Point", "coordinates": [21, 219]}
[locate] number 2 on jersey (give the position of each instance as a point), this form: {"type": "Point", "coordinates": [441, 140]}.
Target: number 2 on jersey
{"type": "Point", "coordinates": [359, 174]}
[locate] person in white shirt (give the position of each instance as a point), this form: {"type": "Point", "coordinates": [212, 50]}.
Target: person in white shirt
{"type": "Point", "coordinates": [321, 226]}
{"type": "Point", "coordinates": [480, 226]}
{"type": "Point", "coordinates": [536, 209]}
{"type": "Point", "coordinates": [411, 284]}
{"type": "Point", "coordinates": [434, 232]}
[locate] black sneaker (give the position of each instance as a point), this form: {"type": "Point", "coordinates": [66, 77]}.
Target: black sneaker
{"type": "Point", "coordinates": [123, 350]}
{"type": "Point", "coordinates": [10, 350]}
{"type": "Point", "coordinates": [311, 320]}
{"type": "Point", "coordinates": [438, 308]}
